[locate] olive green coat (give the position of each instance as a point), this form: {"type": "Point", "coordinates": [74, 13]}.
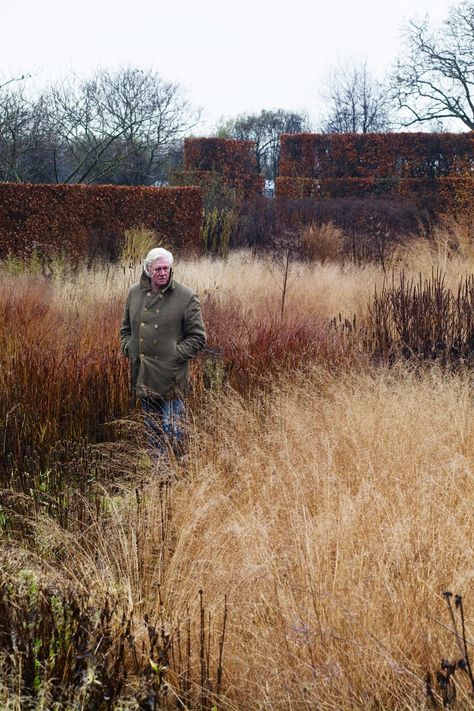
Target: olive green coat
{"type": "Point", "coordinates": [161, 331]}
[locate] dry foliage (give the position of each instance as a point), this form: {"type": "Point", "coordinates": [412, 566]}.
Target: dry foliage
{"type": "Point", "coordinates": [324, 242]}
{"type": "Point", "coordinates": [223, 155]}
{"type": "Point", "coordinates": [89, 220]}
{"type": "Point", "coordinates": [324, 508]}
{"type": "Point", "coordinates": [448, 247]}
{"type": "Point", "coordinates": [136, 245]}
{"type": "Point", "coordinates": [423, 320]}
{"type": "Point", "coordinates": [375, 155]}
{"type": "Point", "coordinates": [332, 542]}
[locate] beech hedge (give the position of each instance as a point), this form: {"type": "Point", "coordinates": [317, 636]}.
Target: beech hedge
{"type": "Point", "coordinates": [244, 186]}
{"type": "Point", "coordinates": [377, 155]}
{"type": "Point", "coordinates": [232, 162]}
{"type": "Point", "coordinates": [85, 219]}
{"type": "Point", "coordinates": [222, 155]}
{"type": "Point", "coordinates": [453, 195]}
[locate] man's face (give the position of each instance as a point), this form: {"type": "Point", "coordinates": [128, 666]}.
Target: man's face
{"type": "Point", "coordinates": [160, 273]}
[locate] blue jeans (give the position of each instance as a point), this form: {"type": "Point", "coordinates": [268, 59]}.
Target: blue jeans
{"type": "Point", "coordinates": [164, 424]}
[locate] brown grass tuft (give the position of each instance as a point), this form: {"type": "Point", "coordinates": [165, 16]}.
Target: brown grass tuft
{"type": "Point", "coordinates": [322, 242]}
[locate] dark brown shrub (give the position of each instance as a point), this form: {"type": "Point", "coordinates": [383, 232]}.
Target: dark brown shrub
{"type": "Point", "coordinates": [423, 320]}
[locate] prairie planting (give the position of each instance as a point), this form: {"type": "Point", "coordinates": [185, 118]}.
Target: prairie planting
{"type": "Point", "coordinates": [299, 556]}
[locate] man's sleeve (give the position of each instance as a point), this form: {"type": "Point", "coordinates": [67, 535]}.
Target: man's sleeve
{"type": "Point", "coordinates": [193, 329]}
{"type": "Point", "coordinates": [126, 330]}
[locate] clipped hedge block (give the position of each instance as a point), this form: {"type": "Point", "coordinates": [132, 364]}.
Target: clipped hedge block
{"type": "Point", "coordinates": [244, 186]}
{"type": "Point", "coordinates": [301, 188]}
{"type": "Point", "coordinates": [377, 155]}
{"type": "Point", "coordinates": [81, 218]}
{"type": "Point", "coordinates": [450, 195]}
{"type": "Point", "coordinates": [222, 155]}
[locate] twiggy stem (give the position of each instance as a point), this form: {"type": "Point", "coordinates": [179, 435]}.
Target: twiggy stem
{"type": "Point", "coordinates": [447, 596]}
{"type": "Point", "coordinates": [459, 603]}
{"type": "Point", "coordinates": [221, 650]}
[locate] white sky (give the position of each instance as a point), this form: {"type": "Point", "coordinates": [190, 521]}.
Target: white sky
{"type": "Point", "coordinates": [231, 58]}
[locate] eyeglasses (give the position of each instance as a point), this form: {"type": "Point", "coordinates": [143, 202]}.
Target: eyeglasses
{"type": "Point", "coordinates": [160, 269]}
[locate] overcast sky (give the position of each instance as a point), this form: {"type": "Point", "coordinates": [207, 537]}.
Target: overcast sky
{"type": "Point", "coordinates": [232, 58]}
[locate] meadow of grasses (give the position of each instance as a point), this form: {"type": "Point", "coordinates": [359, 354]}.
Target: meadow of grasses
{"type": "Point", "coordinates": [298, 557]}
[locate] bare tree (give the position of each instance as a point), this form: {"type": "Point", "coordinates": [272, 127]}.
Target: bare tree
{"type": "Point", "coordinates": [357, 102]}
{"type": "Point", "coordinates": [25, 136]}
{"type": "Point", "coordinates": [7, 83]}
{"type": "Point", "coordinates": [265, 129]}
{"type": "Point", "coordinates": [115, 125]}
{"type": "Point", "coordinates": [434, 79]}
{"type": "Point", "coordinates": [150, 115]}
{"type": "Point", "coordinates": [15, 115]}
{"type": "Point", "coordinates": [15, 118]}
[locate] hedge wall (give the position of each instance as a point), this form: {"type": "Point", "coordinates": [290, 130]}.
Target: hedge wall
{"type": "Point", "coordinates": [222, 155]}
{"type": "Point", "coordinates": [449, 195]}
{"type": "Point", "coordinates": [299, 188]}
{"type": "Point", "coordinates": [395, 155]}
{"type": "Point", "coordinates": [81, 218]}
{"type": "Point", "coordinates": [245, 185]}
{"type": "Point", "coordinates": [233, 162]}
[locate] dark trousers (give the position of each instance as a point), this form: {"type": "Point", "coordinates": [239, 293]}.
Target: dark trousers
{"type": "Point", "coordinates": [164, 423]}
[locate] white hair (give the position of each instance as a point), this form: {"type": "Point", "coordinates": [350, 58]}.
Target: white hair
{"type": "Point", "coordinates": [153, 255]}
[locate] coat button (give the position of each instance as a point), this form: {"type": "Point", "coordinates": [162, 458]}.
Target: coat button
{"type": "Point", "coordinates": [141, 355]}
{"type": "Point", "coordinates": [148, 293]}
{"type": "Point", "coordinates": [141, 340]}
{"type": "Point", "coordinates": [157, 311]}
{"type": "Point", "coordinates": [156, 325]}
{"type": "Point", "coordinates": [142, 323]}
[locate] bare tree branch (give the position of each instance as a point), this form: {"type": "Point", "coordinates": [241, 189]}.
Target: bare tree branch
{"type": "Point", "coordinates": [265, 129]}
{"type": "Point", "coordinates": [434, 79]}
{"type": "Point", "coordinates": [119, 126]}
{"type": "Point", "coordinates": [357, 103]}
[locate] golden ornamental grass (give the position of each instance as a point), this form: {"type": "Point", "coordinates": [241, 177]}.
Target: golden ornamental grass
{"type": "Point", "coordinates": [333, 526]}
{"type": "Point", "coordinates": [327, 511]}
{"type": "Point", "coordinates": [333, 518]}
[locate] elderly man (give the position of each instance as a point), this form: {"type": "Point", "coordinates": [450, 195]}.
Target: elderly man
{"type": "Point", "coordinates": [162, 330]}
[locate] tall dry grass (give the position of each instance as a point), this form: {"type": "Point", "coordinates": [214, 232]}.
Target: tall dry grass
{"type": "Point", "coordinates": [333, 524]}
{"type": "Point", "coordinates": [62, 377]}
{"type": "Point", "coordinates": [448, 249]}
{"type": "Point", "coordinates": [332, 515]}
{"type": "Point", "coordinates": [326, 511]}
{"type": "Point", "coordinates": [256, 284]}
